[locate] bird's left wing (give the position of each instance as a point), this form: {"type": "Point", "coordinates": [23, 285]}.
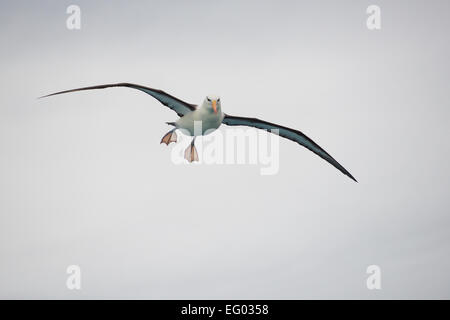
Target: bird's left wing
{"type": "Point", "coordinates": [288, 133]}
{"type": "Point", "coordinates": [177, 105]}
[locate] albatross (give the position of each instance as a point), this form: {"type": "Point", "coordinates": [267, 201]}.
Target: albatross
{"type": "Point", "coordinates": [210, 115]}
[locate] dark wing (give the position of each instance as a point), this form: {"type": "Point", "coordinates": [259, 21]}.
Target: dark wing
{"type": "Point", "coordinates": [288, 133]}
{"type": "Point", "coordinates": [177, 105]}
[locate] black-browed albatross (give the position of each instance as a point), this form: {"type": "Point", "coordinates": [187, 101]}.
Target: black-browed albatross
{"type": "Point", "coordinates": [210, 114]}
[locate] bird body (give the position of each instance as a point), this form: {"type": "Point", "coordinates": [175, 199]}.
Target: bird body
{"type": "Point", "coordinates": [210, 116]}
{"type": "Point", "coordinates": [203, 120]}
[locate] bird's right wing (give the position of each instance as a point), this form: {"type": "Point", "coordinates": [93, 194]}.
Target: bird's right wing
{"type": "Point", "coordinates": [177, 105]}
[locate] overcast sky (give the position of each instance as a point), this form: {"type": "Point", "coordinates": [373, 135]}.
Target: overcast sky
{"type": "Point", "coordinates": [84, 180]}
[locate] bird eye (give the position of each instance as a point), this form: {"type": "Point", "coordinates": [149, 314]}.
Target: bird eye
{"type": "Point", "coordinates": [218, 100]}
{"type": "Point", "coordinates": [208, 99]}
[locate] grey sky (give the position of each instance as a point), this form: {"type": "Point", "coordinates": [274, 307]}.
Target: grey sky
{"type": "Point", "coordinates": [83, 179]}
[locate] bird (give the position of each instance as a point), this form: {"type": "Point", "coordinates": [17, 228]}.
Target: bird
{"type": "Point", "coordinates": [210, 115]}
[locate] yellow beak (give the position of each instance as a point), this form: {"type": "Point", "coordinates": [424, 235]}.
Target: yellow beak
{"type": "Point", "coordinates": [214, 103]}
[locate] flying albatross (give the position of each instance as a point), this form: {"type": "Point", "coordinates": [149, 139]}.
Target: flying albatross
{"type": "Point", "coordinates": [210, 115]}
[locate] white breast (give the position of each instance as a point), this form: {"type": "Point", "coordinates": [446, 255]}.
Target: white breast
{"type": "Point", "coordinates": [200, 122]}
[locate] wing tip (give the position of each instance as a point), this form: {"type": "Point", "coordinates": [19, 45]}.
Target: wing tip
{"type": "Point", "coordinates": [54, 94]}
{"type": "Point", "coordinates": [350, 176]}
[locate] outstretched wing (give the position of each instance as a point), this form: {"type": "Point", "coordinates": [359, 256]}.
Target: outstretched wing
{"type": "Point", "coordinates": [288, 133]}
{"type": "Point", "coordinates": [177, 105]}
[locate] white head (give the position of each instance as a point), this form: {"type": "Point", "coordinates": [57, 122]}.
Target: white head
{"type": "Point", "coordinates": [212, 103]}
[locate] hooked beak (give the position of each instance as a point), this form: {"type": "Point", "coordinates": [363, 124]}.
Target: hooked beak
{"type": "Point", "coordinates": [214, 105]}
